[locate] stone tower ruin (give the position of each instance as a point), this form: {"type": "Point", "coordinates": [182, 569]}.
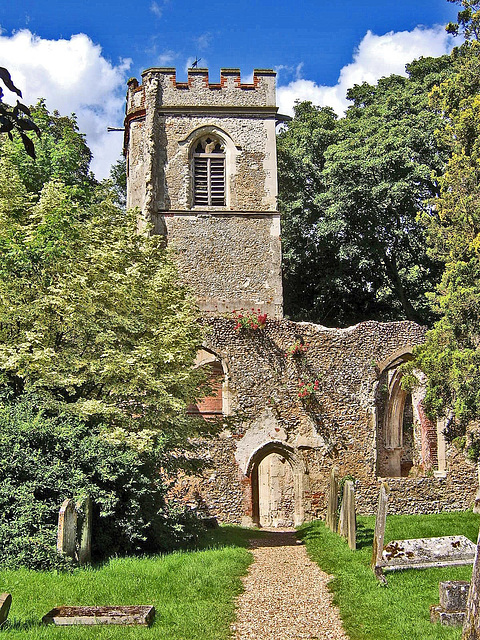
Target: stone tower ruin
{"type": "Point", "coordinates": [201, 167]}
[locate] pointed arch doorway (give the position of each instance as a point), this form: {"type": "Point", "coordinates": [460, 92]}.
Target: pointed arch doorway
{"type": "Point", "coordinates": [277, 476]}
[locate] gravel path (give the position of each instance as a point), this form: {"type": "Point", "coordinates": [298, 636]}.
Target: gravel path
{"type": "Point", "coordinates": [286, 595]}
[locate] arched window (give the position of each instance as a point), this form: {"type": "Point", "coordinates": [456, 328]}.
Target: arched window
{"type": "Point", "coordinates": [209, 172]}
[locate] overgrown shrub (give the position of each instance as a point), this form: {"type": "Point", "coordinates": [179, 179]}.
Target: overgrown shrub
{"type": "Point", "coordinates": [46, 459]}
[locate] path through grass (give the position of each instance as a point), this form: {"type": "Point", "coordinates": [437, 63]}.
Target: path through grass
{"type": "Point", "coordinates": [401, 610]}
{"type": "Point", "coordinates": [193, 593]}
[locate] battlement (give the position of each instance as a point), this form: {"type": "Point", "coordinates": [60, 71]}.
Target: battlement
{"type": "Point", "coordinates": [199, 92]}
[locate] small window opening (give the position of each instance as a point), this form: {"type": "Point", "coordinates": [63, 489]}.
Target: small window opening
{"type": "Point", "coordinates": [209, 173]}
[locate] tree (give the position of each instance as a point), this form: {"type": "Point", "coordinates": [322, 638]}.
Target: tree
{"type": "Point", "coordinates": [451, 357]}
{"type": "Point", "coordinates": [61, 153]}
{"type": "Point", "coordinates": [468, 20]}
{"type": "Point", "coordinates": [16, 118]}
{"type": "Point", "coordinates": [350, 192]}
{"type": "Point", "coordinates": [380, 176]}
{"type": "Point", "coordinates": [92, 317]}
{"type": "Point", "coordinates": [309, 250]}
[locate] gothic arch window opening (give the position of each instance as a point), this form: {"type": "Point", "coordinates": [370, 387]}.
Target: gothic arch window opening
{"type": "Point", "coordinates": [209, 172]}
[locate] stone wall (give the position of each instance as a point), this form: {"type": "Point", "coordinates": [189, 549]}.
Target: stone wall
{"type": "Point", "coordinates": [229, 255]}
{"type": "Point", "coordinates": [218, 257]}
{"type": "Point", "coordinates": [336, 426]}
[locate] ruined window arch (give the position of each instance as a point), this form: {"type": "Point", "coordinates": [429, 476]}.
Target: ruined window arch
{"type": "Point", "coordinates": [209, 171]}
{"type": "Point", "coordinates": [217, 403]}
{"type": "Point", "coordinates": [407, 441]}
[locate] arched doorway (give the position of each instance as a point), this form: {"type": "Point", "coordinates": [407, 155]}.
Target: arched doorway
{"type": "Point", "coordinates": [277, 476]}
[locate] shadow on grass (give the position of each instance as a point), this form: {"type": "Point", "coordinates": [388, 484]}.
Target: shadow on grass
{"type": "Point", "coordinates": [21, 625]}
{"type": "Point", "coordinates": [364, 536]}
{"type": "Point", "coordinates": [229, 536]}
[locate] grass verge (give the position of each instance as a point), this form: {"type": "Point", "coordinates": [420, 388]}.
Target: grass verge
{"type": "Point", "coordinates": [399, 611]}
{"type": "Point", "coordinates": [193, 592]}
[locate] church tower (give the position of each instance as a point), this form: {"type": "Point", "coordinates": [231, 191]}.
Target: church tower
{"type": "Point", "coordinates": [202, 168]}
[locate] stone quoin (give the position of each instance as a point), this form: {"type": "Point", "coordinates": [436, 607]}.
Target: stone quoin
{"type": "Point", "coordinates": [201, 168]}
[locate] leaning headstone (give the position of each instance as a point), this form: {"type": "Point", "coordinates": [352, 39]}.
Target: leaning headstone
{"type": "Point", "coordinates": [67, 529]}
{"type": "Point", "coordinates": [380, 523]}
{"type": "Point", "coordinates": [347, 526]}
{"type": "Point", "coordinates": [471, 626]}
{"type": "Point", "coordinates": [84, 529]}
{"type": "Point", "coordinates": [332, 506]}
{"type": "Point", "coordinates": [453, 602]}
{"type": "Point", "coordinates": [5, 603]}
{"type": "Point", "coordinates": [424, 553]}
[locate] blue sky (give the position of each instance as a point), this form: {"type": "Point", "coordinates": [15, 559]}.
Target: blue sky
{"type": "Point", "coordinates": [78, 55]}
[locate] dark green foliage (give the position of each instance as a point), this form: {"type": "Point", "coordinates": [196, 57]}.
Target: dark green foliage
{"type": "Point", "coordinates": [48, 459]}
{"type": "Point", "coordinates": [350, 193]}
{"type": "Point", "coordinates": [468, 20]}
{"type": "Point", "coordinates": [308, 242]}
{"type": "Point", "coordinates": [17, 119]}
{"type": "Point", "coordinates": [450, 356]}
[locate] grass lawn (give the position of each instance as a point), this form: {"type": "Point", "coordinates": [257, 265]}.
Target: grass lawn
{"type": "Point", "coordinates": [193, 592]}
{"type": "Point", "coordinates": [399, 611]}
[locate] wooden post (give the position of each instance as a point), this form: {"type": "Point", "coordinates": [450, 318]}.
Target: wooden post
{"type": "Point", "coordinates": [380, 522]}
{"type": "Point", "coordinates": [67, 529]}
{"type": "Point", "coordinates": [84, 530]}
{"type": "Point", "coordinates": [347, 526]}
{"type": "Point", "coordinates": [471, 626]}
{"type": "Point", "coordinates": [332, 506]}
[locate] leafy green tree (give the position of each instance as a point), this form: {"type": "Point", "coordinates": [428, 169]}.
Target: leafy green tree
{"type": "Point", "coordinates": [379, 175]}
{"type": "Point", "coordinates": [61, 153]}
{"type": "Point", "coordinates": [350, 191]}
{"type": "Point", "coordinates": [468, 20]}
{"type": "Point", "coordinates": [451, 356]}
{"type": "Point", "coordinates": [92, 317]}
{"type": "Point", "coordinates": [18, 118]}
{"type": "Point", "coordinates": [309, 250]}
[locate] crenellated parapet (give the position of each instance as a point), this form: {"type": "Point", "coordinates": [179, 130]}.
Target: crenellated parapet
{"type": "Point", "coordinates": [198, 92]}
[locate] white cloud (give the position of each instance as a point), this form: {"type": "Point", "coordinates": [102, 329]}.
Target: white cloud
{"type": "Point", "coordinates": [203, 41]}
{"type": "Point", "coordinates": [166, 58]}
{"type": "Point", "coordinates": [157, 7]}
{"type": "Point", "coordinates": [73, 77]}
{"type": "Point", "coordinates": [375, 57]}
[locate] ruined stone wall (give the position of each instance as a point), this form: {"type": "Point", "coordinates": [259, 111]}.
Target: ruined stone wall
{"type": "Point", "coordinates": [336, 426]}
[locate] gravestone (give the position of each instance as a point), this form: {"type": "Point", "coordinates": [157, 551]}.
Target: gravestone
{"type": "Point", "coordinates": [424, 553]}
{"type": "Point", "coordinates": [453, 601]}
{"type": "Point", "coordinates": [124, 615]}
{"type": "Point", "coordinates": [347, 525]}
{"type": "Point", "coordinates": [332, 506]}
{"type": "Point", "coordinates": [471, 626]}
{"type": "Point", "coordinates": [380, 523]}
{"type": "Point", "coordinates": [84, 529]}
{"type": "Point", "coordinates": [5, 604]}
{"type": "Point", "coordinates": [67, 529]}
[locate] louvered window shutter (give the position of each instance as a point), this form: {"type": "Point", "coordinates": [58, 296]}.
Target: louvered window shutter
{"type": "Point", "coordinates": [209, 180]}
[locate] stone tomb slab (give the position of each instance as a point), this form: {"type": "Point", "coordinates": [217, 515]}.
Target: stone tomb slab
{"type": "Point", "coordinates": [424, 553]}
{"type": "Point", "coordinates": [130, 615]}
